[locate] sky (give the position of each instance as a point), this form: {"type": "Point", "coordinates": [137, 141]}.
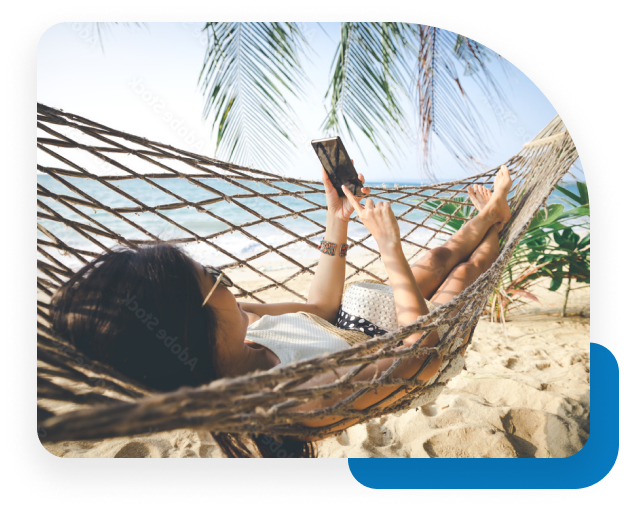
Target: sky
{"type": "Point", "coordinates": [145, 82]}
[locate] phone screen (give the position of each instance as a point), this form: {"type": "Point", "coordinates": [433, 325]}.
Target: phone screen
{"type": "Point", "coordinates": [337, 163]}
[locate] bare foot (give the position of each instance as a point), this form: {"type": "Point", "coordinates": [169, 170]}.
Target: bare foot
{"type": "Point", "coordinates": [479, 195]}
{"type": "Point", "coordinates": [502, 182]}
{"type": "Point", "coordinates": [497, 208]}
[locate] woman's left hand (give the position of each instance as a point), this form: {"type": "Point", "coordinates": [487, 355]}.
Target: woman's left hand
{"type": "Point", "coordinates": [341, 208]}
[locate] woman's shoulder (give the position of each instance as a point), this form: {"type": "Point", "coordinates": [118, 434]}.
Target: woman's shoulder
{"type": "Point", "coordinates": [252, 317]}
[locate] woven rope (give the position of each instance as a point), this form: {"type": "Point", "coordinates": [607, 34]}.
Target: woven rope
{"type": "Point", "coordinates": [110, 405]}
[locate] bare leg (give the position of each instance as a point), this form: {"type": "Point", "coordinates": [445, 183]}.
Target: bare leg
{"type": "Point", "coordinates": [465, 274]}
{"type": "Point", "coordinates": [462, 277]}
{"type": "Point", "coordinates": [434, 267]}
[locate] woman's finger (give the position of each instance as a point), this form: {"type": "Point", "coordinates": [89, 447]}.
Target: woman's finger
{"type": "Point", "coordinates": [361, 178]}
{"type": "Point", "coordinates": [369, 204]}
{"type": "Point", "coordinates": [328, 185]}
{"type": "Point", "coordinates": [351, 198]}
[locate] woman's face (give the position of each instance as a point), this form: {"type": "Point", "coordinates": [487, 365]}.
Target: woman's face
{"type": "Point", "coordinates": [232, 320]}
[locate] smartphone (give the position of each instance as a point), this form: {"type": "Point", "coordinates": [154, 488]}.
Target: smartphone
{"type": "Point", "coordinates": [338, 165]}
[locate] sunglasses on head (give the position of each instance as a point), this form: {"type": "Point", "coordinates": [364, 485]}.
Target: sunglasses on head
{"type": "Point", "coordinates": [219, 277]}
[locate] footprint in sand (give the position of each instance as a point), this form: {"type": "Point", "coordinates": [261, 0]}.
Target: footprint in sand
{"type": "Point", "coordinates": [511, 363]}
{"type": "Point", "coordinates": [135, 450]}
{"type": "Point", "coordinates": [536, 434]}
{"type": "Point", "coordinates": [378, 435]}
{"type": "Point", "coordinates": [399, 450]}
{"type": "Point", "coordinates": [470, 442]}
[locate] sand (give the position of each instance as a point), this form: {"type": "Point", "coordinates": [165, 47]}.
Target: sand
{"type": "Point", "coordinates": [525, 393]}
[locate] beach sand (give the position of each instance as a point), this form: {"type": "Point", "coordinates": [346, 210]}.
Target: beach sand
{"type": "Point", "coordinates": [525, 393]}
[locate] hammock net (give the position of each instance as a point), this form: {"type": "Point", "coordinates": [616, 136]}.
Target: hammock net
{"type": "Point", "coordinates": [99, 187]}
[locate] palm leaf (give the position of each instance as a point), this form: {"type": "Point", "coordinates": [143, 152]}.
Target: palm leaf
{"type": "Point", "coordinates": [454, 214]}
{"type": "Point", "coordinates": [248, 71]}
{"type": "Point", "coordinates": [444, 107]}
{"type": "Point", "coordinates": [524, 293]}
{"type": "Point", "coordinates": [369, 78]}
{"type": "Point", "coordinates": [99, 30]}
{"type": "Point", "coordinates": [581, 199]}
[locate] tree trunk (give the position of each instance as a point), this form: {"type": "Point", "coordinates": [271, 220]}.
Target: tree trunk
{"type": "Point", "coordinates": [566, 298]}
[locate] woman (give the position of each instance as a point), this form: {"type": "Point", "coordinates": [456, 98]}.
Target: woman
{"type": "Point", "coordinates": [163, 319]}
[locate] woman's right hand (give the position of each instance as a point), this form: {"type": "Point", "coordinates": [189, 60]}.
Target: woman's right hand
{"type": "Point", "coordinates": [379, 219]}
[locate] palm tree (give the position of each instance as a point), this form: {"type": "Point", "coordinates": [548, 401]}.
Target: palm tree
{"type": "Point", "coordinates": [251, 69]}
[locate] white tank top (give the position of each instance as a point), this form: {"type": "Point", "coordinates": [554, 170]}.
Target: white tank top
{"type": "Point", "coordinates": [294, 337]}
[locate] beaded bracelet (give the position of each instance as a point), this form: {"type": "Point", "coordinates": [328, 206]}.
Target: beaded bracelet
{"type": "Point", "coordinates": [329, 248]}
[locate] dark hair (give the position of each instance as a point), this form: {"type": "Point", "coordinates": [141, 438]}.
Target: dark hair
{"type": "Point", "coordinates": [140, 311]}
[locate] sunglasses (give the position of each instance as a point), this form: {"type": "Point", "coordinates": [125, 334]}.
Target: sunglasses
{"type": "Point", "coordinates": [219, 277]}
{"type": "Point", "coordinates": [215, 273]}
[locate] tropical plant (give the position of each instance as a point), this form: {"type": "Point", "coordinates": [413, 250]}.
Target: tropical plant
{"type": "Point", "coordinates": [451, 214]}
{"type": "Point", "coordinates": [251, 68]}
{"type": "Point", "coordinates": [570, 259]}
{"type": "Point", "coordinates": [551, 248]}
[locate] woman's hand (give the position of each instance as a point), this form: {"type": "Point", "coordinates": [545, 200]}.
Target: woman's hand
{"type": "Point", "coordinates": [379, 219]}
{"type": "Point", "coordinates": [341, 208]}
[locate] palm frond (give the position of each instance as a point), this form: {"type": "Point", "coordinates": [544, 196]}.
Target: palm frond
{"type": "Point", "coordinates": [248, 71]}
{"type": "Point", "coordinates": [369, 77]}
{"type": "Point", "coordinates": [425, 82]}
{"type": "Point", "coordinates": [445, 109]}
{"type": "Point", "coordinates": [100, 30]}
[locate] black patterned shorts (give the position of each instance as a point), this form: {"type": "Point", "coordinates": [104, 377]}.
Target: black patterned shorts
{"type": "Point", "coordinates": [354, 323]}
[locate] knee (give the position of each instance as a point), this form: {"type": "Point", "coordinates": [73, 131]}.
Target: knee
{"type": "Point", "coordinates": [438, 257]}
{"type": "Point", "coordinates": [468, 271]}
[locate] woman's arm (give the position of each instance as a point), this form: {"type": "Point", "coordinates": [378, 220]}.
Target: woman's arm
{"type": "Point", "coordinates": [325, 292]}
{"type": "Point", "coordinates": [410, 304]}
{"type": "Point", "coordinates": [409, 301]}
{"type": "Point", "coordinates": [327, 286]}
{"type": "Point", "coordinates": [379, 219]}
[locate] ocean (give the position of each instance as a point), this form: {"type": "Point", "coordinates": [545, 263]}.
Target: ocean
{"type": "Point", "coordinates": [236, 243]}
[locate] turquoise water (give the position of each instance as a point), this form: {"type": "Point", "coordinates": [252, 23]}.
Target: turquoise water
{"type": "Point", "coordinates": [236, 243]}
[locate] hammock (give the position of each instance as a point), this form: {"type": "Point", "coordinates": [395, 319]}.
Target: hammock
{"type": "Point", "coordinates": [83, 157]}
